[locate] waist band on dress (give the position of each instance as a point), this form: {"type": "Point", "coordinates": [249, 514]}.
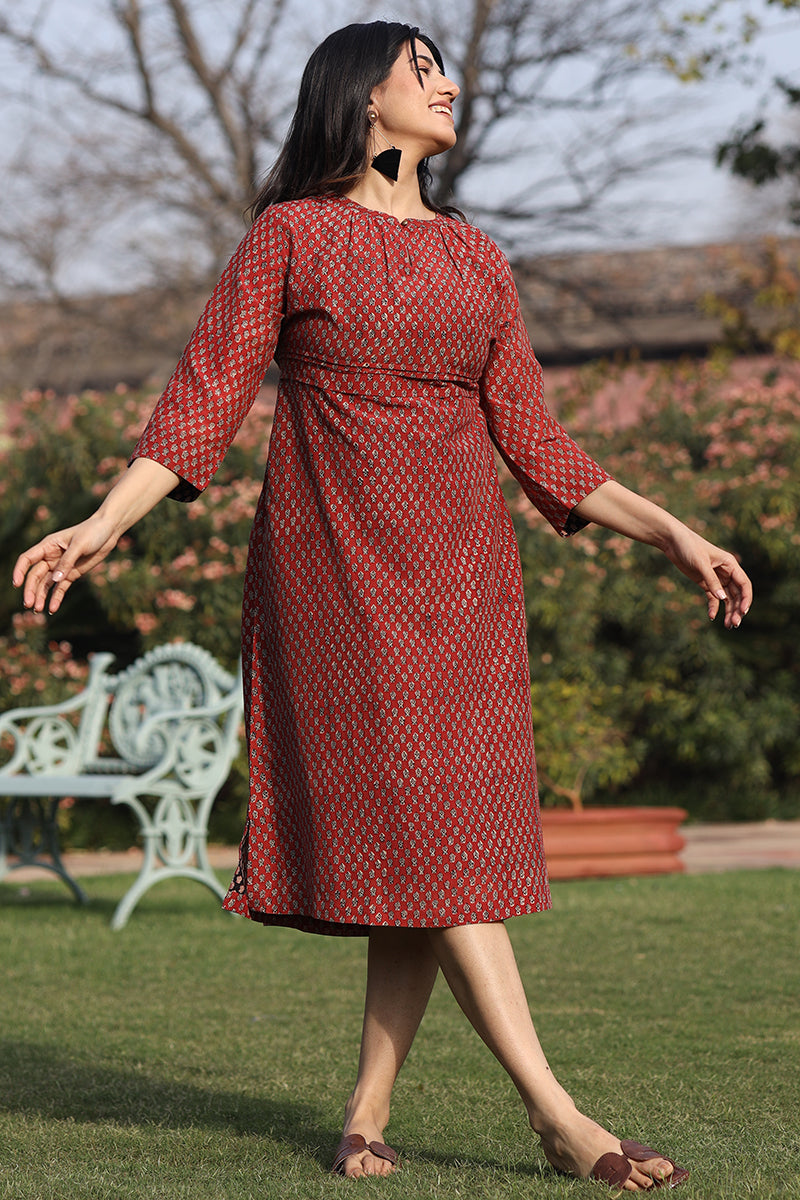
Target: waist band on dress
{"type": "Point", "coordinates": [345, 377]}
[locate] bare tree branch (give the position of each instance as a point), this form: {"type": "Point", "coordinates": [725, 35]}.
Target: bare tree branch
{"type": "Point", "coordinates": [537, 77]}
{"type": "Point", "coordinates": [221, 143]}
{"type": "Point", "coordinates": [174, 111]}
{"type": "Point", "coordinates": [211, 82]}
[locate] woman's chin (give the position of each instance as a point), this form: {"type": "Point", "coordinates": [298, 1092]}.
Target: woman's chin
{"type": "Point", "coordinates": [442, 144]}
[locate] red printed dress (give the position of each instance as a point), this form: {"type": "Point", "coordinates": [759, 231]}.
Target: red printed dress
{"type": "Point", "coordinates": [392, 773]}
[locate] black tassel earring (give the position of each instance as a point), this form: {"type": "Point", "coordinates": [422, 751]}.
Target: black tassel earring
{"type": "Point", "coordinates": [388, 161]}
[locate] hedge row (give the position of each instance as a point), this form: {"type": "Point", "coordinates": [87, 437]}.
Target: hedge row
{"type": "Point", "coordinates": [636, 698]}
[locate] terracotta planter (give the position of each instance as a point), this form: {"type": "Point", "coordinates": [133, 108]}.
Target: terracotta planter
{"type": "Point", "coordinates": [612, 841]}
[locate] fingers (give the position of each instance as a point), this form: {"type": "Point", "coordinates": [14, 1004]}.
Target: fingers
{"type": "Point", "coordinates": [52, 565]}
{"type": "Point", "coordinates": [718, 573]}
{"type": "Point", "coordinates": [713, 603]}
{"type": "Point", "coordinates": [39, 582]}
{"type": "Point", "coordinates": [715, 592]}
{"type": "Point", "coordinates": [32, 570]}
{"type": "Point", "coordinates": [56, 595]}
{"type": "Point", "coordinates": [35, 587]}
{"type": "Point", "coordinates": [62, 577]}
{"type": "Point", "coordinates": [730, 583]}
{"type": "Point", "coordinates": [28, 560]}
{"type": "Point", "coordinates": [741, 587]}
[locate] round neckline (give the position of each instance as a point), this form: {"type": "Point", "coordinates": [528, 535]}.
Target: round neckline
{"type": "Point", "coordinates": [377, 212]}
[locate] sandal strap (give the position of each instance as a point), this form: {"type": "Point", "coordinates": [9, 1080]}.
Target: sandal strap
{"type": "Point", "coordinates": [614, 1169]}
{"type": "Point", "coordinates": [640, 1153]}
{"type": "Point", "coordinates": [611, 1168]}
{"type": "Point", "coordinates": [356, 1143]}
{"type": "Point", "coordinates": [380, 1150]}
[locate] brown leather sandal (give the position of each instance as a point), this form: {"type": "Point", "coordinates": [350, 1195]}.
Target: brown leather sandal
{"type": "Point", "coordinates": [614, 1169]}
{"type": "Point", "coordinates": [355, 1143]}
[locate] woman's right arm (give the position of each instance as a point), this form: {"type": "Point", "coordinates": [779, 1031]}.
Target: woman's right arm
{"type": "Point", "coordinates": [196, 418]}
{"type": "Point", "coordinates": [60, 558]}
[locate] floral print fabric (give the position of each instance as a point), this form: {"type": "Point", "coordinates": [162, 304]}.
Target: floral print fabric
{"type": "Point", "coordinates": [392, 772]}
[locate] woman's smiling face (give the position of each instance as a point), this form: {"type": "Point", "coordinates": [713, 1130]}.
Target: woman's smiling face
{"type": "Point", "coordinates": [415, 104]}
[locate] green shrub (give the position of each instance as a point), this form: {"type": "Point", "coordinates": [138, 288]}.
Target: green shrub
{"type": "Point", "coordinates": [636, 698]}
{"type": "Point", "coordinates": [711, 717]}
{"type": "Point", "coordinates": [177, 575]}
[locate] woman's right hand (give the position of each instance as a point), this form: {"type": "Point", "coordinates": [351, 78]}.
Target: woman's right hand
{"type": "Point", "coordinates": [59, 559]}
{"type": "Point", "coordinates": [55, 562]}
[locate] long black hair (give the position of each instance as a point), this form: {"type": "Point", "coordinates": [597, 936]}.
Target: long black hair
{"type": "Point", "coordinates": [325, 151]}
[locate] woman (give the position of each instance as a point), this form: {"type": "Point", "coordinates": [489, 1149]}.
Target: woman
{"type": "Point", "coordinates": [387, 691]}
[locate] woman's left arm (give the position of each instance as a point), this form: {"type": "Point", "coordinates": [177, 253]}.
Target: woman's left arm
{"type": "Point", "coordinates": [716, 571]}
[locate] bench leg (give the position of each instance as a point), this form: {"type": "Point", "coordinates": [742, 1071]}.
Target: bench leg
{"type": "Point", "coordinates": [29, 831]}
{"type": "Point", "coordinates": [174, 843]}
{"type": "Point", "coordinates": [145, 881]}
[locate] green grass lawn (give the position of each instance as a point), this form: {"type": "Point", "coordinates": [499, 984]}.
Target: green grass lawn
{"type": "Point", "coordinates": [196, 1055]}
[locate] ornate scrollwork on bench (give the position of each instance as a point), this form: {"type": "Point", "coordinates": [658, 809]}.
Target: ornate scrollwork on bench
{"type": "Point", "coordinates": [172, 719]}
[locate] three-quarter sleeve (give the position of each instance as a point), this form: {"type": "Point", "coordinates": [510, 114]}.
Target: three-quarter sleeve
{"type": "Point", "coordinates": [223, 365]}
{"type": "Point", "coordinates": [549, 466]}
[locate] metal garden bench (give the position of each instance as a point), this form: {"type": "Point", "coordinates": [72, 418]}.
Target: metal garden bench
{"type": "Point", "coordinates": [159, 736]}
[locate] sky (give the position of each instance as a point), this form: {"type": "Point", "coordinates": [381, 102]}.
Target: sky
{"type": "Point", "coordinates": [718, 206]}
{"type": "Point", "coordinates": [704, 204]}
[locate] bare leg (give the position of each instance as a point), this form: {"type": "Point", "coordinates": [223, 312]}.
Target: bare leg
{"type": "Point", "coordinates": [479, 965]}
{"type": "Point", "coordinates": [401, 971]}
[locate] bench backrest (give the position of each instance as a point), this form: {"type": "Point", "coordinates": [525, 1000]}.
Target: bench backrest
{"type": "Point", "coordinates": [147, 707]}
{"type": "Point", "coordinates": [176, 679]}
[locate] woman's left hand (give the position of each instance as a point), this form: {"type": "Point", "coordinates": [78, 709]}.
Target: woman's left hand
{"type": "Point", "coordinates": [718, 573]}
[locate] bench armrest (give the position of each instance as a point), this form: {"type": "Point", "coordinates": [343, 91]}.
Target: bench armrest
{"type": "Point", "coordinates": [44, 741]}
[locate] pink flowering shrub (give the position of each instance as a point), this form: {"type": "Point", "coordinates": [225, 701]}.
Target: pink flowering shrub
{"type": "Point", "coordinates": [176, 576]}
{"type": "Point", "coordinates": [636, 698]}
{"type": "Point", "coordinates": [699, 716]}
{"type": "Point", "coordinates": [24, 649]}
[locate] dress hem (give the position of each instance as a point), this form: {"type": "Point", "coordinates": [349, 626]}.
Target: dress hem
{"type": "Point", "coordinates": [319, 925]}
